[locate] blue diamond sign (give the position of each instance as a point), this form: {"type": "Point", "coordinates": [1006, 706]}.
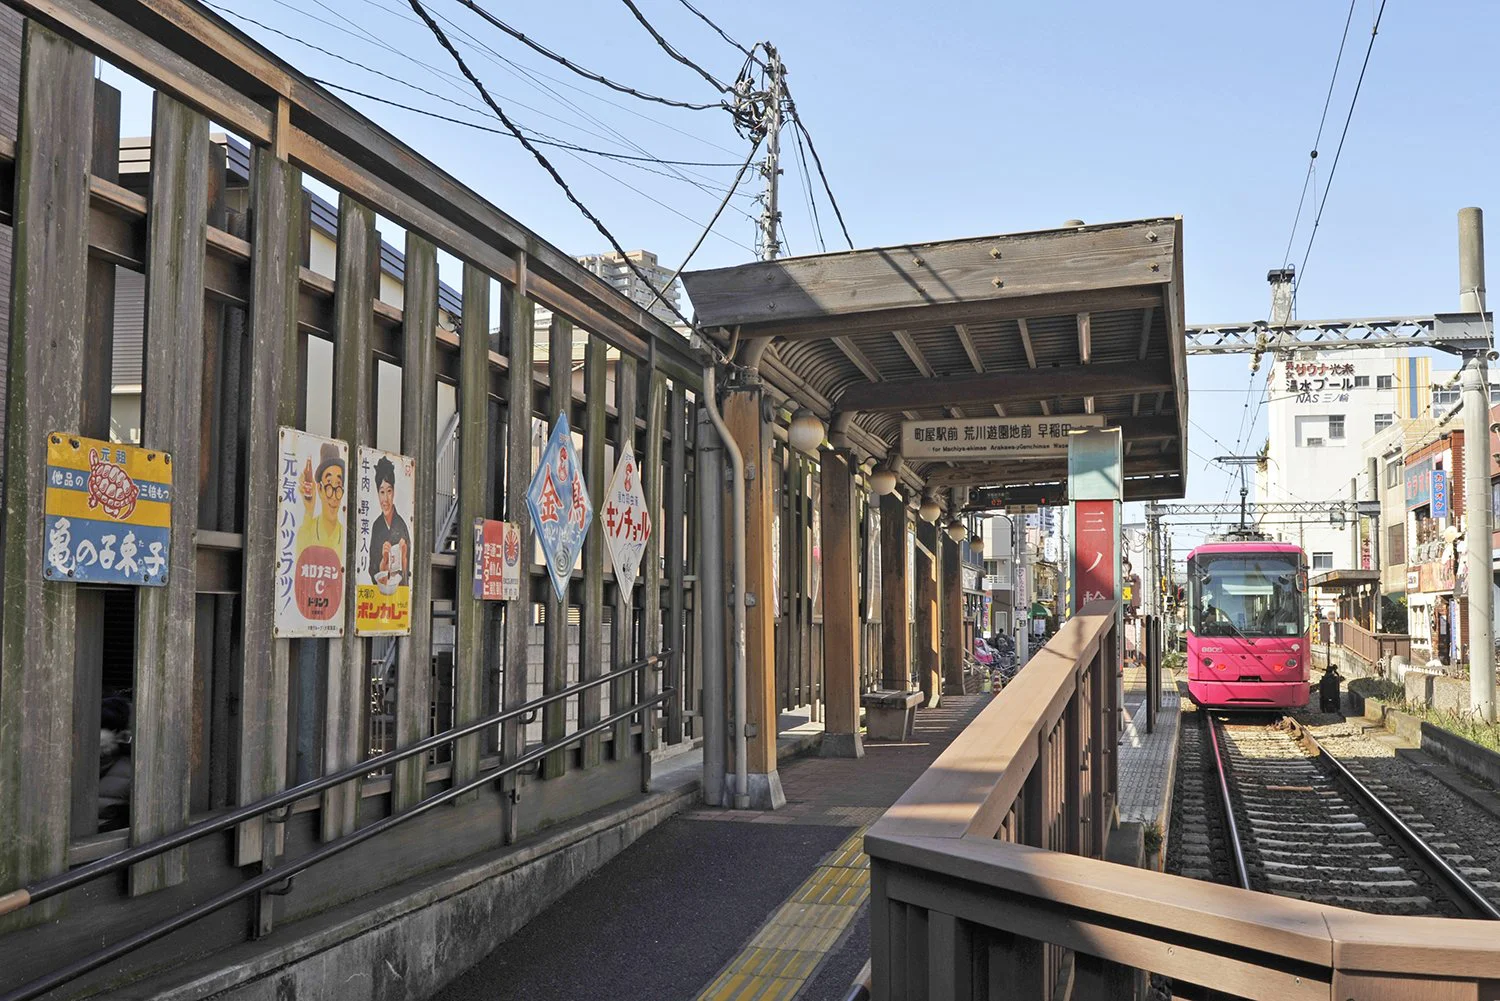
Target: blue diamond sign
{"type": "Point", "coordinates": [559, 505]}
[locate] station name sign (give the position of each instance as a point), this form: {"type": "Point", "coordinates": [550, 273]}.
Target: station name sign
{"type": "Point", "coordinates": [993, 437]}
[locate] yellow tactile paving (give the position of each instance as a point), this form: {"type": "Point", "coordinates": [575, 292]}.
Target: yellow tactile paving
{"type": "Point", "coordinates": [783, 954]}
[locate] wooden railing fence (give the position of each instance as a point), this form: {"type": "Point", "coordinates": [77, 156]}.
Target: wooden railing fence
{"type": "Point", "coordinates": [987, 880]}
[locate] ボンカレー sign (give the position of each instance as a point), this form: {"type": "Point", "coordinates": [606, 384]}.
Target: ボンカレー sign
{"type": "Point", "coordinates": [382, 558]}
{"type": "Point", "coordinates": [992, 437]}
{"type": "Point", "coordinates": [108, 512]}
{"type": "Point", "coordinates": [310, 535]}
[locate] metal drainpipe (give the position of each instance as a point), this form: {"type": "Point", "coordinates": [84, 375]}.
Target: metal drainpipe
{"type": "Point", "coordinates": [737, 608]}
{"type": "Point", "coordinates": [711, 597]}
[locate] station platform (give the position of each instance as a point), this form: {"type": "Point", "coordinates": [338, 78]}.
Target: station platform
{"type": "Point", "coordinates": [725, 904]}
{"type": "Point", "coordinates": [1148, 760]}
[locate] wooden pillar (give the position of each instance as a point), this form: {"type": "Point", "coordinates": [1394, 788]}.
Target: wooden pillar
{"type": "Point", "coordinates": [418, 440]}
{"type": "Point", "coordinates": [952, 590]}
{"type": "Point", "coordinates": [651, 625]}
{"type": "Point", "coordinates": [622, 634]}
{"type": "Point", "coordinates": [473, 487]}
{"type": "Point", "coordinates": [555, 637]}
{"type": "Point", "coordinates": [895, 613]}
{"type": "Point", "coordinates": [672, 534]}
{"type": "Point", "coordinates": [271, 402]}
{"type": "Point", "coordinates": [742, 413]}
{"type": "Point", "coordinates": [48, 295]}
{"type": "Point", "coordinates": [841, 659]}
{"type": "Point", "coordinates": [925, 570]}
{"type": "Point", "coordinates": [591, 662]}
{"type": "Point", "coordinates": [171, 408]}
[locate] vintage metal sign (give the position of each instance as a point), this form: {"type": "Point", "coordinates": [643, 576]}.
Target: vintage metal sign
{"type": "Point", "coordinates": [310, 535]}
{"type": "Point", "coordinates": [626, 519]}
{"type": "Point", "coordinates": [382, 559]}
{"type": "Point", "coordinates": [497, 560]}
{"type": "Point", "coordinates": [560, 506]}
{"type": "Point", "coordinates": [108, 512]}
{"type": "Point", "coordinates": [992, 437]}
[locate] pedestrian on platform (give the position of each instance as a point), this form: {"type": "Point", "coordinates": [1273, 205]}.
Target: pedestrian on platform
{"type": "Point", "coordinates": [1328, 690]}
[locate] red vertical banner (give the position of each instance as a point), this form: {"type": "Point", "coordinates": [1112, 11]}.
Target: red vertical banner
{"type": "Point", "coordinates": [1094, 555]}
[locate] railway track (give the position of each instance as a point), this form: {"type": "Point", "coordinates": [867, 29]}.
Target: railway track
{"type": "Point", "coordinates": [1300, 823]}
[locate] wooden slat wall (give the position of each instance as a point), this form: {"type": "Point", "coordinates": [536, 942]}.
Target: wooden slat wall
{"type": "Point", "coordinates": [271, 402]}
{"type": "Point", "coordinates": [521, 396]}
{"type": "Point", "coordinates": [354, 423]}
{"type": "Point", "coordinates": [418, 440]}
{"type": "Point", "coordinates": [555, 647]}
{"type": "Point", "coordinates": [473, 449]}
{"type": "Point", "coordinates": [48, 296]}
{"type": "Point", "coordinates": [170, 412]}
{"type": "Point", "coordinates": [591, 614]}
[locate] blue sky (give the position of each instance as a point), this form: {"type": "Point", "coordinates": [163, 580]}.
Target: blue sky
{"type": "Point", "coordinates": [960, 118]}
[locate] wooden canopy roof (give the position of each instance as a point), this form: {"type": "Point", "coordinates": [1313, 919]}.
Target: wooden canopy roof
{"type": "Point", "coordinates": [1083, 319]}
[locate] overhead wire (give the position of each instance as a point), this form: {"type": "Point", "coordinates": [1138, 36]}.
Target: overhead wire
{"type": "Point", "coordinates": [812, 147]}
{"type": "Point", "coordinates": [541, 158]}
{"type": "Point", "coordinates": [812, 204]}
{"type": "Point", "coordinates": [749, 53]}
{"type": "Point", "coordinates": [671, 51]}
{"type": "Point", "coordinates": [581, 71]}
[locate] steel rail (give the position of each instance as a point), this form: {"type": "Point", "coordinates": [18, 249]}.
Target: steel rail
{"type": "Point", "coordinates": [51, 886]}
{"type": "Point", "coordinates": [1463, 893]}
{"type": "Point", "coordinates": [271, 877]}
{"type": "Point", "coordinates": [1241, 873]}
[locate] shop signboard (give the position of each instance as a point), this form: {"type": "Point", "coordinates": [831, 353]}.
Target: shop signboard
{"type": "Point", "coordinates": [107, 512]}
{"type": "Point", "coordinates": [1439, 491]}
{"type": "Point", "coordinates": [1419, 483]}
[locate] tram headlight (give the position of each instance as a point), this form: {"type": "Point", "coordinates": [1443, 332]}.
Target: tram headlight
{"type": "Point", "coordinates": [1208, 662]}
{"type": "Point", "coordinates": [1291, 662]}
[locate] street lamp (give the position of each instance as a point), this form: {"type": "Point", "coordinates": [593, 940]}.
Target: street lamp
{"type": "Point", "coordinates": [930, 510]}
{"type": "Point", "coordinates": [883, 480]}
{"type": "Point", "coordinates": [806, 432]}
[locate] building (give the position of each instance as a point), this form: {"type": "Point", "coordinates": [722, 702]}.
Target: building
{"type": "Point", "coordinates": [1321, 407]}
{"type": "Point", "coordinates": [614, 270]}
{"type": "Point", "coordinates": [1437, 606]}
{"type": "Point", "coordinates": [1384, 539]}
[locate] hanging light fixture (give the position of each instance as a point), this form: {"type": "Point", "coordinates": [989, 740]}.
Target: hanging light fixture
{"type": "Point", "coordinates": [957, 530]}
{"type": "Point", "coordinates": [883, 480]}
{"type": "Point", "coordinates": [930, 511]}
{"type": "Point", "coordinates": [976, 545]}
{"type": "Point", "coordinates": [806, 432]}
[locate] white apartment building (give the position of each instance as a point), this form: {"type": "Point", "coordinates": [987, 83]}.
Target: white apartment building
{"type": "Point", "coordinates": [617, 272]}
{"type": "Point", "coordinates": [1321, 408]}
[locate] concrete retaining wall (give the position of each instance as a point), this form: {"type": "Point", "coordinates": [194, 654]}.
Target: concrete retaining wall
{"type": "Point", "coordinates": [1444, 745]}
{"type": "Point", "coordinates": [407, 943]}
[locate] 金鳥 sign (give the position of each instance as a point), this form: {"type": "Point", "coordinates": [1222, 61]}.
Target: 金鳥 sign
{"type": "Point", "coordinates": [108, 512]}
{"type": "Point", "coordinates": [382, 559]}
{"type": "Point", "coordinates": [497, 560]}
{"type": "Point", "coordinates": [560, 507]}
{"type": "Point", "coordinates": [627, 521]}
{"type": "Point", "coordinates": [310, 535]}
{"type": "Point", "coordinates": [992, 437]}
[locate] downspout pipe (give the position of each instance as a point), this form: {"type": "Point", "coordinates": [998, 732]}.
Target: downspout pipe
{"type": "Point", "coordinates": [737, 605]}
{"type": "Point", "coordinates": [711, 580]}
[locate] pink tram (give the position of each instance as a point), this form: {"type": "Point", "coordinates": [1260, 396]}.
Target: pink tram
{"type": "Point", "coordinates": [1247, 625]}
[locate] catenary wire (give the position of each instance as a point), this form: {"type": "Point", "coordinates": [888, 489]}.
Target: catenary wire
{"type": "Point", "coordinates": [812, 147]}
{"type": "Point", "coordinates": [587, 74]}
{"type": "Point", "coordinates": [541, 158]}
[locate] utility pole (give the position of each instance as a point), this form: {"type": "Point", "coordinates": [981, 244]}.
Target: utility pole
{"type": "Point", "coordinates": [770, 216]}
{"type": "Point", "coordinates": [1476, 402]}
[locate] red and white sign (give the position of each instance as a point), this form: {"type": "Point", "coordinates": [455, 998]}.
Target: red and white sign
{"type": "Point", "coordinates": [626, 520]}
{"type": "Point", "coordinates": [1094, 557]}
{"type": "Point", "coordinates": [497, 560]}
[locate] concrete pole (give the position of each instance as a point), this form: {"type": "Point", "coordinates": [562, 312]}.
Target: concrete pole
{"type": "Point", "coordinates": [770, 217]}
{"type": "Point", "coordinates": [1479, 548]}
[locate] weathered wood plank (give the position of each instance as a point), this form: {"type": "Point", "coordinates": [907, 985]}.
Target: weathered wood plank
{"type": "Point", "coordinates": [925, 570]}
{"type": "Point", "coordinates": [521, 401]}
{"type": "Point", "coordinates": [622, 636]}
{"type": "Point", "coordinates": [591, 614]}
{"type": "Point", "coordinates": [170, 410]}
{"type": "Point", "coordinates": [88, 683]}
{"type": "Point", "coordinates": [354, 423]}
{"type": "Point", "coordinates": [895, 617]}
{"type": "Point", "coordinates": [418, 440]}
{"type": "Point", "coordinates": [656, 422]}
{"type": "Point", "coordinates": [955, 271]}
{"type": "Point", "coordinates": [48, 296]}
{"type": "Point", "coordinates": [555, 645]}
{"type": "Point", "coordinates": [672, 547]}
{"type": "Point", "coordinates": [1004, 387]}
{"type": "Point", "coordinates": [271, 401]}
{"type": "Point", "coordinates": [952, 590]}
{"type": "Point", "coordinates": [841, 648]}
{"type": "Point", "coordinates": [473, 464]}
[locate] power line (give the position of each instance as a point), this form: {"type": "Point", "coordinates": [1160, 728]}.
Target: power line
{"type": "Point", "coordinates": [797, 120]}
{"type": "Point", "coordinates": [1328, 184]}
{"type": "Point", "coordinates": [749, 53]}
{"type": "Point", "coordinates": [669, 50]}
{"type": "Point", "coordinates": [587, 74]}
{"type": "Point", "coordinates": [442, 38]}
{"type": "Point", "coordinates": [812, 204]}
{"type": "Point", "coordinates": [540, 138]}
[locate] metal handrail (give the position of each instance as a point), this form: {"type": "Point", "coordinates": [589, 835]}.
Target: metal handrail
{"type": "Point", "coordinates": [23, 897]}
{"type": "Point", "coordinates": [271, 877]}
